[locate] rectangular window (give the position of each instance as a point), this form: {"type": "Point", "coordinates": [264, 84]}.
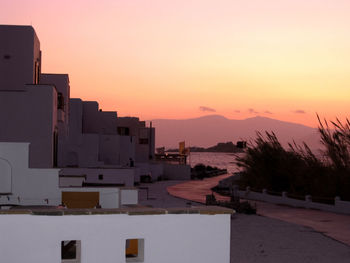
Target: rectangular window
{"type": "Point", "coordinates": [55, 148]}
{"type": "Point", "coordinates": [100, 177]}
{"type": "Point", "coordinates": [60, 101]}
{"type": "Point", "coordinates": [36, 72]}
{"type": "Point", "coordinates": [123, 131]}
{"type": "Point", "coordinates": [143, 141]}
{"type": "Point", "coordinates": [70, 251]}
{"type": "Point", "coordinates": [134, 250]}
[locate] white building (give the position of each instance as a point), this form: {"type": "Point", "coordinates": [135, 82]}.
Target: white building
{"type": "Point", "coordinates": [23, 186]}
{"type": "Point", "coordinates": [63, 132]}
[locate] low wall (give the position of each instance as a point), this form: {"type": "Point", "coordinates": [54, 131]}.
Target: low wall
{"type": "Point", "coordinates": [129, 196]}
{"type": "Point", "coordinates": [170, 236]}
{"type": "Point", "coordinates": [339, 206]}
{"type": "Point", "coordinates": [151, 168]}
{"type": "Point", "coordinates": [176, 171]}
{"type": "Point", "coordinates": [122, 176]}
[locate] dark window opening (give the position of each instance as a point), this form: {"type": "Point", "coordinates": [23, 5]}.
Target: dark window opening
{"type": "Point", "coordinates": [100, 177]}
{"type": "Point", "coordinates": [123, 131]}
{"type": "Point", "coordinates": [143, 141]}
{"type": "Point", "coordinates": [55, 148]}
{"type": "Point", "coordinates": [36, 72]}
{"type": "Point", "coordinates": [60, 101]}
{"type": "Point", "coordinates": [70, 249]}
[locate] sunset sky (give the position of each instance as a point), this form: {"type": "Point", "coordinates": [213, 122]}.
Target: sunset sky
{"type": "Point", "coordinates": [283, 59]}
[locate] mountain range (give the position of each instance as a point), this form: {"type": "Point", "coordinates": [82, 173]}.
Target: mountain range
{"type": "Point", "coordinates": [208, 130]}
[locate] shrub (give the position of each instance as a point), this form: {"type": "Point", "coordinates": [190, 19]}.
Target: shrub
{"type": "Point", "coordinates": [297, 170]}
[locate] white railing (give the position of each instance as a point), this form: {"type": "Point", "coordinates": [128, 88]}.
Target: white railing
{"type": "Point", "coordinates": [339, 206]}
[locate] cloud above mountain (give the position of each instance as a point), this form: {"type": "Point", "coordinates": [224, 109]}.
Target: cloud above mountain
{"type": "Point", "coordinates": [206, 109]}
{"type": "Point", "coordinates": [299, 112]}
{"type": "Point", "coordinates": [252, 111]}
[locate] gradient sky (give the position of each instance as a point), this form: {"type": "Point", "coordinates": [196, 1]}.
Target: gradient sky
{"type": "Point", "coordinates": [284, 59]}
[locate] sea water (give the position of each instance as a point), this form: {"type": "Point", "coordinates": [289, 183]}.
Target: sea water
{"type": "Point", "coordinates": [220, 160]}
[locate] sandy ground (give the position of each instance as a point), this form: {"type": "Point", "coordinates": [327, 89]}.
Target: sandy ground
{"type": "Point", "coordinates": [257, 238]}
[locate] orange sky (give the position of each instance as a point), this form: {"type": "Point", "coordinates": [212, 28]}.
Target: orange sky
{"type": "Point", "coordinates": [284, 59]}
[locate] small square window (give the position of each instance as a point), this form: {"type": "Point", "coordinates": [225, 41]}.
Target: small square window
{"type": "Point", "coordinates": [100, 177]}
{"type": "Point", "coordinates": [143, 141]}
{"type": "Point", "coordinates": [70, 251]}
{"type": "Point", "coordinates": [134, 250]}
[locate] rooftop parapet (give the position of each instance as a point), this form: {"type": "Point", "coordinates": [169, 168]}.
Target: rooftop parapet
{"type": "Point", "coordinates": [132, 211]}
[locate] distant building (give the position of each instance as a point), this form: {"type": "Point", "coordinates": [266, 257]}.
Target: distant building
{"type": "Point", "coordinates": [144, 137]}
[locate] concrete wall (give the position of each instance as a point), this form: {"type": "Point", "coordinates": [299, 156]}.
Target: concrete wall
{"type": "Point", "coordinates": [129, 196]}
{"type": "Point", "coordinates": [138, 130]}
{"type": "Point", "coordinates": [90, 117]}
{"type": "Point", "coordinates": [61, 83]}
{"type": "Point", "coordinates": [165, 170]}
{"type": "Point", "coordinates": [71, 181]}
{"type": "Point", "coordinates": [145, 151]}
{"type": "Point", "coordinates": [170, 238]}
{"type": "Point", "coordinates": [122, 176]}
{"type": "Point", "coordinates": [29, 186]}
{"type": "Point", "coordinates": [108, 122]}
{"type": "Point", "coordinates": [109, 149]}
{"type": "Point", "coordinates": [19, 52]}
{"type": "Point", "coordinates": [93, 140]}
{"type": "Point", "coordinates": [78, 149]}
{"type": "Point", "coordinates": [98, 121]}
{"type": "Point", "coordinates": [176, 171]}
{"type": "Point", "coordinates": [116, 150]}
{"type": "Point", "coordinates": [150, 168]}
{"type": "Point", "coordinates": [127, 149]}
{"type": "Point", "coordinates": [30, 116]}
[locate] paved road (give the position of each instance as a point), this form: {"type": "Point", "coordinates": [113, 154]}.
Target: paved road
{"type": "Point", "coordinates": [336, 226]}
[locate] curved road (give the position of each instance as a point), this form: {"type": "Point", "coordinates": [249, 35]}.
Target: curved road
{"type": "Point", "coordinates": [336, 226]}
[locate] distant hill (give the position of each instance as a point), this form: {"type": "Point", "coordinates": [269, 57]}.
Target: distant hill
{"type": "Point", "coordinates": [227, 147]}
{"type": "Point", "coordinates": [209, 130]}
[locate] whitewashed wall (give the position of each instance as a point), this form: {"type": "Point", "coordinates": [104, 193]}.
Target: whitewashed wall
{"type": "Point", "coordinates": [30, 116]}
{"type": "Point", "coordinates": [129, 196]}
{"type": "Point", "coordinates": [110, 175]}
{"type": "Point", "coordinates": [22, 47]}
{"type": "Point", "coordinates": [168, 238]}
{"type": "Point", "coordinates": [153, 169]}
{"type": "Point", "coordinates": [29, 186]}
